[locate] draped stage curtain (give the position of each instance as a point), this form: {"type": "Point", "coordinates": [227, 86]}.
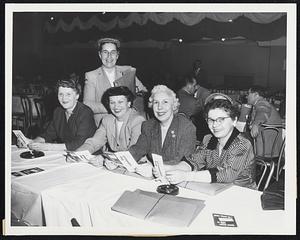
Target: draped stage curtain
{"type": "Point", "coordinates": [68, 28]}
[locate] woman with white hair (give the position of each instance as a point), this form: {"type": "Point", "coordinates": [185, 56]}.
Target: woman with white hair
{"type": "Point", "coordinates": [169, 134]}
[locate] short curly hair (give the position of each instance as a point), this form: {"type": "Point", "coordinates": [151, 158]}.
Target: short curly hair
{"type": "Point", "coordinates": [162, 88]}
{"type": "Point", "coordinates": [117, 91]}
{"type": "Point", "coordinates": [69, 83]}
{"type": "Point", "coordinates": [226, 105]}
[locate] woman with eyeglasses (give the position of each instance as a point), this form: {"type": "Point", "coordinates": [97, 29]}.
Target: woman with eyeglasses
{"type": "Point", "coordinates": [104, 77]}
{"type": "Point", "coordinates": [225, 156]}
{"type": "Point", "coordinates": [72, 122]}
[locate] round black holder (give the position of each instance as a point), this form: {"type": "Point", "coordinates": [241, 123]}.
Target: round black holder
{"type": "Point", "coordinates": [32, 154]}
{"type": "Point", "coordinates": [168, 189]}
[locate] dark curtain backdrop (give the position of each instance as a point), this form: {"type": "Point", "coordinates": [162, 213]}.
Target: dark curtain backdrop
{"type": "Point", "coordinates": [37, 52]}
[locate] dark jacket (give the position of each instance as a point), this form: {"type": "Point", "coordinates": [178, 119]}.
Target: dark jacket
{"type": "Point", "coordinates": [236, 163]}
{"type": "Point", "coordinates": [75, 131]}
{"type": "Point", "coordinates": [180, 140]}
{"type": "Point", "coordinates": [188, 103]}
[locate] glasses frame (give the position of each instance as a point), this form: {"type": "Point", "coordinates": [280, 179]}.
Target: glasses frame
{"type": "Point", "coordinates": [218, 121]}
{"type": "Point", "coordinates": [112, 53]}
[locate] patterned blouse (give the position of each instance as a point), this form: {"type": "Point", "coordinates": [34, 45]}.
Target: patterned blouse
{"type": "Point", "coordinates": [236, 163]}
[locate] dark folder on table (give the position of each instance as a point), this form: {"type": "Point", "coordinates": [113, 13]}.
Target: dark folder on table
{"type": "Point", "coordinates": [127, 79]}
{"type": "Point", "coordinates": [159, 208]}
{"type": "Point", "coordinates": [207, 188]}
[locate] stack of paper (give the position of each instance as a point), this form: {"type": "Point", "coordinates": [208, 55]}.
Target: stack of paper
{"type": "Point", "coordinates": [207, 188]}
{"type": "Point", "coordinates": [159, 208]}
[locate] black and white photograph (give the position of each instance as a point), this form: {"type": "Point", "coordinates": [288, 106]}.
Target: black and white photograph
{"type": "Point", "coordinates": [196, 102]}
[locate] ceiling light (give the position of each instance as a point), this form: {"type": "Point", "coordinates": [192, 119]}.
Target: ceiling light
{"type": "Point", "coordinates": [51, 18]}
{"type": "Point", "coordinates": [180, 40]}
{"type": "Point", "coordinates": [230, 20]}
{"type": "Point", "coordinates": [223, 39]}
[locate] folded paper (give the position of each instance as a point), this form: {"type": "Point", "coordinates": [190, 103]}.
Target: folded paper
{"type": "Point", "coordinates": [159, 208]}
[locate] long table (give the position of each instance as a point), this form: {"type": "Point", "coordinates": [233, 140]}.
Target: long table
{"type": "Point", "coordinates": [63, 191]}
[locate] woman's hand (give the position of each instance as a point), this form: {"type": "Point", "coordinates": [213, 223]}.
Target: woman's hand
{"type": "Point", "coordinates": [40, 146]}
{"type": "Point", "coordinates": [176, 176]}
{"type": "Point", "coordinates": [156, 173]}
{"type": "Point", "coordinates": [97, 161]}
{"type": "Point", "coordinates": [21, 143]}
{"type": "Point", "coordinates": [144, 169]}
{"type": "Point", "coordinates": [110, 165]}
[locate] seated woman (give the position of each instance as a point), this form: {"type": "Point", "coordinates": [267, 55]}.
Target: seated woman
{"type": "Point", "coordinates": [72, 123]}
{"type": "Point", "coordinates": [226, 155]}
{"type": "Point", "coordinates": [121, 128]}
{"type": "Point", "coordinates": [170, 135]}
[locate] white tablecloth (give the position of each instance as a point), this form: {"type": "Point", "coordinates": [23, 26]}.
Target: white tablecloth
{"type": "Point", "coordinates": [78, 190]}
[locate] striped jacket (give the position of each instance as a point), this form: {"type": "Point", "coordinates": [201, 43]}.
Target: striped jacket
{"type": "Point", "coordinates": [236, 163]}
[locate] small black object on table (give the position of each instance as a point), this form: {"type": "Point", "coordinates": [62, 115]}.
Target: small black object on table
{"type": "Point", "coordinates": [32, 154]}
{"type": "Point", "coordinates": [170, 189]}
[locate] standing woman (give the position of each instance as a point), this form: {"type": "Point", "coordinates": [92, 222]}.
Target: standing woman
{"type": "Point", "coordinates": [72, 121]}
{"type": "Point", "coordinates": [99, 80]}
{"type": "Point", "coordinates": [169, 134]}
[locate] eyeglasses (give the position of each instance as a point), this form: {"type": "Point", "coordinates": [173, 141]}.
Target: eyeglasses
{"type": "Point", "coordinates": [218, 120]}
{"type": "Point", "coordinates": [112, 53]}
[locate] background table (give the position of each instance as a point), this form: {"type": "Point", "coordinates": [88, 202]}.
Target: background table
{"type": "Point", "coordinates": [78, 190]}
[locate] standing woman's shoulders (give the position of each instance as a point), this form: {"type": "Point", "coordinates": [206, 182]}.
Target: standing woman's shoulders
{"type": "Point", "coordinates": [124, 68]}
{"type": "Point", "coordinates": [93, 72]}
{"type": "Point", "coordinates": [90, 75]}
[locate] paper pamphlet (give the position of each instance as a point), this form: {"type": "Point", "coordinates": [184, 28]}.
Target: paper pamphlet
{"type": "Point", "coordinates": [159, 165]}
{"type": "Point", "coordinates": [112, 157]}
{"type": "Point", "coordinates": [123, 158]}
{"type": "Point", "coordinates": [159, 208]}
{"type": "Point", "coordinates": [21, 137]}
{"type": "Point", "coordinates": [127, 160]}
{"type": "Point", "coordinates": [81, 156]}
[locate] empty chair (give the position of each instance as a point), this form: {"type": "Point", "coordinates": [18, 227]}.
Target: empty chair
{"type": "Point", "coordinates": [267, 155]}
{"type": "Point", "coordinates": [27, 109]}
{"type": "Point", "coordinates": [41, 112]}
{"type": "Point", "coordinates": [18, 115]}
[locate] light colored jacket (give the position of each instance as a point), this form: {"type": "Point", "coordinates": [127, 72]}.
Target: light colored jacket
{"type": "Point", "coordinates": [96, 83]}
{"type": "Point", "coordinates": [106, 134]}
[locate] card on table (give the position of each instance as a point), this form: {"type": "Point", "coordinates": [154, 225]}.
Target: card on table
{"type": "Point", "coordinates": [17, 174]}
{"type": "Point", "coordinates": [32, 170]}
{"type": "Point", "coordinates": [223, 220]}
